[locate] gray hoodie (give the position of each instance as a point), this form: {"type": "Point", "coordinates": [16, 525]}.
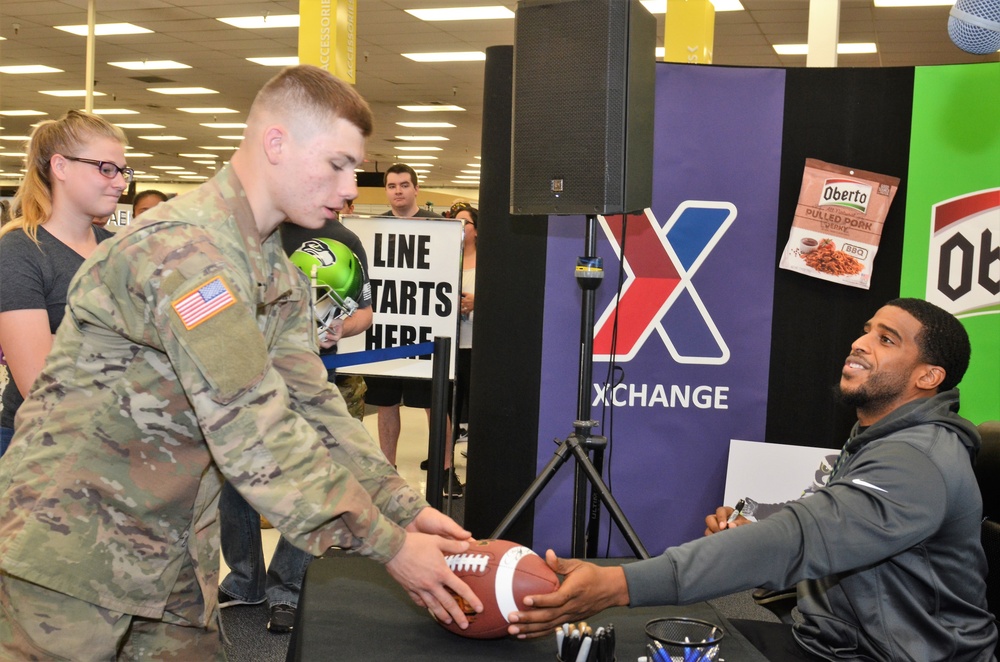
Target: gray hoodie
{"type": "Point", "coordinates": [887, 556]}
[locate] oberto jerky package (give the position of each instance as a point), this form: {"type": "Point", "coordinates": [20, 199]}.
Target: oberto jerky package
{"type": "Point", "coordinates": [838, 223]}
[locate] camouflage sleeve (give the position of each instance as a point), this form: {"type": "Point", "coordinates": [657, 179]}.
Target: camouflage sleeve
{"type": "Point", "coordinates": [200, 308]}
{"type": "Point", "coordinates": [321, 404]}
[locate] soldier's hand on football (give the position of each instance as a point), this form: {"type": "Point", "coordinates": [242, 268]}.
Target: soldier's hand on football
{"type": "Point", "coordinates": [420, 568]}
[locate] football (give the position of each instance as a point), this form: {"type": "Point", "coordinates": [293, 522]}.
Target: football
{"type": "Point", "coordinates": [501, 573]}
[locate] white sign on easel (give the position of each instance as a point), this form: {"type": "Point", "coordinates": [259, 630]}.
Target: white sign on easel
{"type": "Point", "coordinates": [772, 474]}
{"type": "Point", "coordinates": [415, 270]}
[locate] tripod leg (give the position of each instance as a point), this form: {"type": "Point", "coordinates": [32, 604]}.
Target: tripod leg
{"type": "Point", "coordinates": [548, 473]}
{"type": "Point", "coordinates": [583, 461]}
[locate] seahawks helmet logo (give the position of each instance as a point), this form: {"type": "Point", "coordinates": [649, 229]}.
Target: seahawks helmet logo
{"type": "Point", "coordinates": [320, 251]}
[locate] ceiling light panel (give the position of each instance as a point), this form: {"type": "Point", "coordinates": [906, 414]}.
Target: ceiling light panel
{"type": "Point", "coordinates": [149, 65]}
{"type": "Point", "coordinates": [21, 69]}
{"type": "Point", "coordinates": [70, 93]}
{"type": "Point", "coordinates": [104, 29]}
{"type": "Point", "coordinates": [289, 61]}
{"type": "Point", "coordinates": [430, 108]}
{"type": "Point", "coordinates": [462, 13]}
{"type": "Point", "coordinates": [458, 56]}
{"type": "Point", "coordinates": [262, 22]}
{"type": "Point", "coordinates": [181, 90]}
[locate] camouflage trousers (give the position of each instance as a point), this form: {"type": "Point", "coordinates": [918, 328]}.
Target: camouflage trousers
{"type": "Point", "coordinates": [37, 623]}
{"type": "Point", "coordinates": [353, 388]}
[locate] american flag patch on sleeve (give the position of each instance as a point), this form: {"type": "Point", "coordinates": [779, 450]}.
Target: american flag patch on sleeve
{"type": "Point", "coordinates": [203, 303]}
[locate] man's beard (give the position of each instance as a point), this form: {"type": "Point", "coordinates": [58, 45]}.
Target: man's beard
{"type": "Point", "coordinates": [880, 390]}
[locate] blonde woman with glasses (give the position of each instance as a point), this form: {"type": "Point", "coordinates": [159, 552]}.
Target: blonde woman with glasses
{"type": "Point", "coordinates": [75, 171]}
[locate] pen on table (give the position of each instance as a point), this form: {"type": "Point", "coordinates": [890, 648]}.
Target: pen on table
{"type": "Point", "coordinates": [737, 511]}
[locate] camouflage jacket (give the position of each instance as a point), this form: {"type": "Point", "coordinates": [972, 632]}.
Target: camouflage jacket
{"type": "Point", "coordinates": [187, 357]}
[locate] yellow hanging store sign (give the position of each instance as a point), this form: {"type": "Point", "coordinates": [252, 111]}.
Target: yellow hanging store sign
{"type": "Point", "coordinates": [328, 36]}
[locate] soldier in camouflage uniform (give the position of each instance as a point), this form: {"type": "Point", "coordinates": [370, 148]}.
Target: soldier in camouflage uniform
{"type": "Point", "coordinates": [188, 357]}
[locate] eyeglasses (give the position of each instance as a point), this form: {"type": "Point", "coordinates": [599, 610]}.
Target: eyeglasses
{"type": "Point", "coordinates": [107, 168]}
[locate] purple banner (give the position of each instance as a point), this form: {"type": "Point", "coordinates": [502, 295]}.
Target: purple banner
{"type": "Point", "coordinates": [692, 327]}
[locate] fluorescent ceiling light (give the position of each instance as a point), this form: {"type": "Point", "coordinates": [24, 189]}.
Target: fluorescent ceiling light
{"type": "Point", "coordinates": [168, 167]}
{"type": "Point", "coordinates": [17, 154]}
{"type": "Point", "coordinates": [225, 125]}
{"type": "Point", "coordinates": [103, 29]}
{"type": "Point", "coordinates": [181, 90]}
{"type": "Point", "coordinates": [204, 162]}
{"type": "Point", "coordinates": [842, 49]}
{"type": "Point", "coordinates": [15, 137]}
{"type": "Point", "coordinates": [192, 176]}
{"type": "Point", "coordinates": [193, 155]}
{"type": "Point", "coordinates": [149, 65]}
{"type": "Point", "coordinates": [914, 3]}
{"type": "Point", "coordinates": [259, 22]}
{"type": "Point", "coordinates": [231, 137]}
{"type": "Point", "coordinates": [461, 13]}
{"type": "Point", "coordinates": [163, 138]}
{"type": "Point", "coordinates": [660, 6]}
{"type": "Point", "coordinates": [30, 69]}
{"type": "Point", "coordinates": [458, 56]}
{"type": "Point", "coordinates": [208, 111]}
{"type": "Point", "coordinates": [420, 172]}
{"type": "Point", "coordinates": [70, 93]}
{"type": "Point", "coordinates": [427, 125]}
{"type": "Point", "coordinates": [183, 172]}
{"type": "Point", "coordinates": [114, 111]}
{"type": "Point", "coordinates": [474, 165]}
{"type": "Point", "coordinates": [137, 155]}
{"type": "Point", "coordinates": [422, 165]}
{"type": "Point", "coordinates": [430, 108]}
{"type": "Point", "coordinates": [414, 157]}
{"type": "Point", "coordinates": [421, 138]}
{"type": "Point", "coordinates": [21, 113]}
{"type": "Point", "coordinates": [218, 147]}
{"type": "Point", "coordinates": [476, 177]}
{"type": "Point", "coordinates": [140, 125]}
{"type": "Point", "coordinates": [471, 172]}
{"type": "Point", "coordinates": [417, 149]}
{"type": "Point", "coordinates": [461, 181]}
{"type": "Point", "coordinates": [289, 61]}
{"type": "Point", "coordinates": [138, 176]}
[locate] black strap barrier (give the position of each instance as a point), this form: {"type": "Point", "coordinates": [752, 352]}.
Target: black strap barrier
{"type": "Point", "coordinates": [440, 350]}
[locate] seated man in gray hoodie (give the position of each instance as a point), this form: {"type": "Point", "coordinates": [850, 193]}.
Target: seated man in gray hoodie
{"type": "Point", "coordinates": [887, 557]}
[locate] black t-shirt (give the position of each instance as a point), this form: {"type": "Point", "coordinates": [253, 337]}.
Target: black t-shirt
{"type": "Point", "coordinates": [293, 236]}
{"type": "Point", "coordinates": [35, 276]}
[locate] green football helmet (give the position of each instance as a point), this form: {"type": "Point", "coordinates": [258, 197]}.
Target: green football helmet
{"type": "Point", "coordinates": [336, 277]}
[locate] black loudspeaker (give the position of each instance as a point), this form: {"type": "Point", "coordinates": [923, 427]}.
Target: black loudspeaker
{"type": "Point", "coordinates": [582, 126]}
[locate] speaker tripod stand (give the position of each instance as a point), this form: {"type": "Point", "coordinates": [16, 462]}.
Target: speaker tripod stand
{"type": "Point", "coordinates": [582, 442]}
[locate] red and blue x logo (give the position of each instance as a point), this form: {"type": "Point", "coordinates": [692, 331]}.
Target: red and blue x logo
{"type": "Point", "coordinates": [659, 263]}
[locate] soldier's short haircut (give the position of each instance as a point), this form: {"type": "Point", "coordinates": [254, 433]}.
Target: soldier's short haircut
{"type": "Point", "coordinates": [317, 93]}
{"type": "Point", "coordinates": [400, 168]}
{"type": "Point", "coordinates": [941, 341]}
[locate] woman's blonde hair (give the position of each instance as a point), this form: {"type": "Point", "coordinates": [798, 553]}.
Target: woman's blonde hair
{"type": "Point", "coordinates": [33, 201]}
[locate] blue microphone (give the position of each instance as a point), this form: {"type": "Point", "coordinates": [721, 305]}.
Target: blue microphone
{"type": "Point", "coordinates": [974, 26]}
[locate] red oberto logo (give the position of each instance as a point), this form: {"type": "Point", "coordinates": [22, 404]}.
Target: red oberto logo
{"type": "Point", "coordinates": [963, 262]}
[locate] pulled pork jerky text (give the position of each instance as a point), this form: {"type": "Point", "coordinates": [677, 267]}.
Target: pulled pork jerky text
{"type": "Point", "coordinates": [838, 223]}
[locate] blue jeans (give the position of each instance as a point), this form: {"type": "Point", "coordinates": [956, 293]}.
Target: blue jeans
{"type": "Point", "coordinates": [6, 434]}
{"type": "Point", "coordinates": [241, 548]}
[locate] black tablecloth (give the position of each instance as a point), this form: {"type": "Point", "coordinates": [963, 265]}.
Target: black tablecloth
{"type": "Point", "coordinates": [351, 609]}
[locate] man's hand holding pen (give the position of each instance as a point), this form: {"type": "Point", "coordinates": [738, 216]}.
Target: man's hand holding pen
{"type": "Point", "coordinates": [725, 517]}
